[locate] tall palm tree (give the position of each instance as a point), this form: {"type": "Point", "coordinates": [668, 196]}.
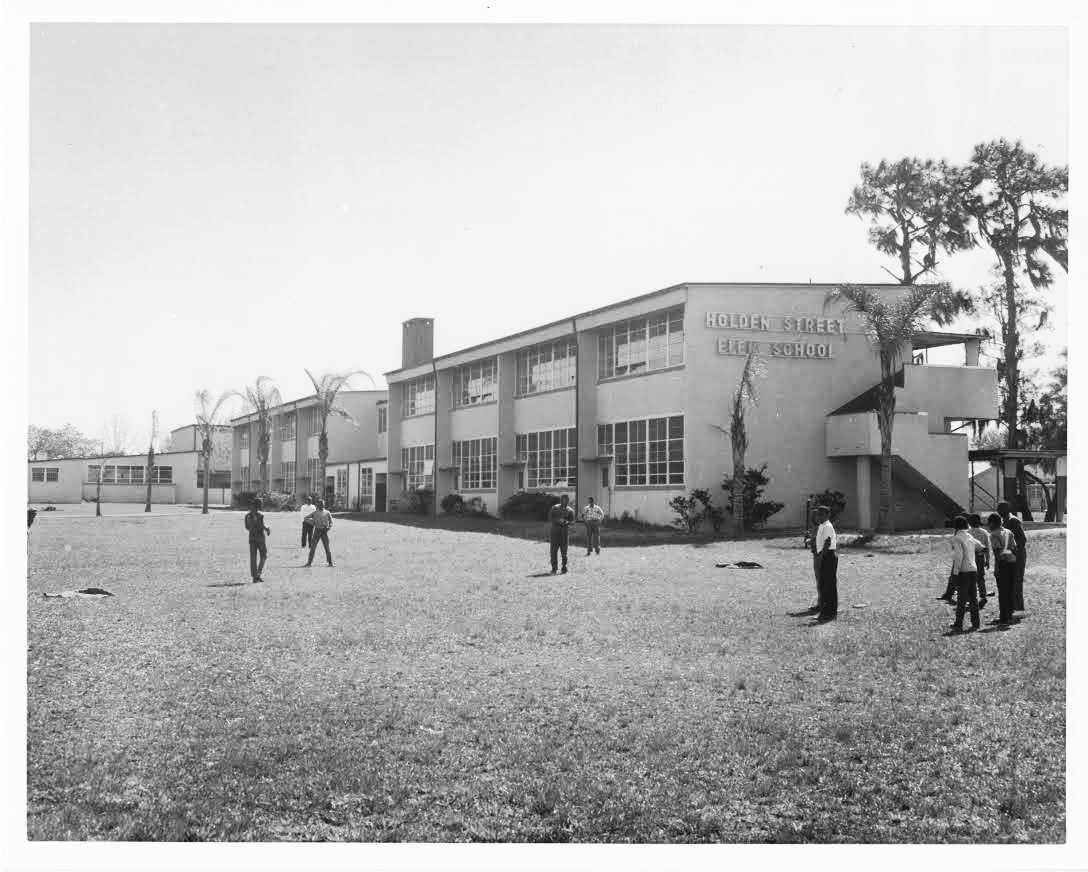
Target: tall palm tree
{"type": "Point", "coordinates": [891, 322]}
{"type": "Point", "coordinates": [326, 389]}
{"type": "Point", "coordinates": [262, 397]}
{"type": "Point", "coordinates": [737, 432]}
{"type": "Point", "coordinates": [208, 415]}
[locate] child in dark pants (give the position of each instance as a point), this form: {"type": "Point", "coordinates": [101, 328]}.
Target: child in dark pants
{"type": "Point", "coordinates": [257, 532]}
{"type": "Point", "coordinates": [1004, 547]}
{"type": "Point", "coordinates": [964, 571]}
{"type": "Point", "coordinates": [827, 565]}
{"type": "Point", "coordinates": [982, 555]}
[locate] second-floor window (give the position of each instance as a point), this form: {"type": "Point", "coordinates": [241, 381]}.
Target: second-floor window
{"type": "Point", "coordinates": [547, 367]}
{"type": "Point", "coordinates": [641, 344]}
{"type": "Point", "coordinates": [418, 397]}
{"type": "Point", "coordinates": [475, 383]}
{"type": "Point", "coordinates": [313, 418]}
{"type": "Point", "coordinates": [243, 439]}
{"type": "Point", "coordinates": [287, 426]}
{"type": "Point", "coordinates": [383, 418]}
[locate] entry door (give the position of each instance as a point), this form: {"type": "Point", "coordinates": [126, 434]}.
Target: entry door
{"type": "Point", "coordinates": [379, 493]}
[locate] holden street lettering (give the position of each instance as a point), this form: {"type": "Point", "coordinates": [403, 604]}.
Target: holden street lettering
{"type": "Point", "coordinates": [785, 323]}
{"type": "Point", "coordinates": [803, 350]}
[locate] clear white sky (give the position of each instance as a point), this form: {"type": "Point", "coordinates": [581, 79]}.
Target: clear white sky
{"type": "Point", "coordinates": [210, 203]}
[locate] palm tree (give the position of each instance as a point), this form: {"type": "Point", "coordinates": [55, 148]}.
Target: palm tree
{"type": "Point", "coordinates": [326, 390]}
{"type": "Point", "coordinates": [207, 419]}
{"type": "Point", "coordinates": [891, 322]}
{"type": "Point", "coordinates": [738, 434]}
{"type": "Point", "coordinates": [262, 397]}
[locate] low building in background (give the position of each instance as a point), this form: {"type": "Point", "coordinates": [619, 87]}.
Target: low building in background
{"type": "Point", "coordinates": [124, 479]}
{"type": "Point", "coordinates": [355, 470]}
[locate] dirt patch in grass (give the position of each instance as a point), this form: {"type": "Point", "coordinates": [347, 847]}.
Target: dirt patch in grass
{"type": "Point", "coordinates": [428, 688]}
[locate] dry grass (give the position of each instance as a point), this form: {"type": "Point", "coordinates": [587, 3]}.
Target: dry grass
{"type": "Point", "coordinates": [428, 688]}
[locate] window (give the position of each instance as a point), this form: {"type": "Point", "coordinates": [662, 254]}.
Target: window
{"type": "Point", "coordinates": [474, 460]}
{"type": "Point", "coordinates": [312, 417]}
{"type": "Point", "coordinates": [287, 473]}
{"type": "Point", "coordinates": [126, 475]}
{"type": "Point", "coordinates": [647, 452]}
{"type": "Point", "coordinates": [342, 487]}
{"type": "Point", "coordinates": [418, 397]}
{"type": "Point", "coordinates": [418, 465]}
{"type": "Point", "coordinates": [93, 471]}
{"type": "Point", "coordinates": [288, 425]}
{"type": "Point", "coordinates": [52, 473]}
{"type": "Point", "coordinates": [312, 475]}
{"type": "Point", "coordinates": [547, 367]}
{"type": "Point", "coordinates": [641, 344]}
{"type": "Point", "coordinates": [366, 489]}
{"type": "Point", "coordinates": [45, 473]}
{"type": "Point", "coordinates": [246, 483]}
{"type": "Point", "coordinates": [475, 383]}
{"type": "Point", "coordinates": [109, 475]}
{"type": "Point", "coordinates": [383, 418]}
{"type": "Point", "coordinates": [216, 480]}
{"type": "Point", "coordinates": [243, 439]}
{"type": "Point", "coordinates": [551, 458]}
{"type": "Point", "coordinates": [37, 473]}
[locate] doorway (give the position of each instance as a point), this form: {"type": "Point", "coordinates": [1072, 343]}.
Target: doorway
{"type": "Point", "coordinates": [379, 492]}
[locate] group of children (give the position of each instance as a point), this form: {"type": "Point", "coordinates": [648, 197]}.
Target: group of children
{"type": "Point", "coordinates": [1005, 539]}
{"type": "Point", "coordinates": [560, 518]}
{"type": "Point", "coordinates": [316, 523]}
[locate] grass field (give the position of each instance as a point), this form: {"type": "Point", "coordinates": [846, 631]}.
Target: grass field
{"type": "Point", "coordinates": [433, 686]}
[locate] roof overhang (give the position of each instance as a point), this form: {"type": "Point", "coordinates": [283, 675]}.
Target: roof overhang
{"type": "Point", "coordinates": [931, 339]}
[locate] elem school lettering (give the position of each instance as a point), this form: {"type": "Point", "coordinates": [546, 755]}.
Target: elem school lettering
{"type": "Point", "coordinates": [801, 350]}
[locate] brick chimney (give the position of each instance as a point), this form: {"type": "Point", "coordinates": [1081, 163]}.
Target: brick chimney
{"type": "Point", "coordinates": [417, 345]}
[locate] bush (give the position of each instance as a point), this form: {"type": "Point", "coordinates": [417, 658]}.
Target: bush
{"type": "Point", "coordinates": [690, 511]}
{"type": "Point", "coordinates": [453, 504]}
{"type": "Point", "coordinates": [477, 507]}
{"type": "Point", "coordinates": [416, 502]}
{"type": "Point", "coordinates": [243, 499]}
{"type": "Point", "coordinates": [279, 503]}
{"type": "Point", "coordinates": [528, 506]}
{"type": "Point", "coordinates": [756, 511]}
{"type": "Point", "coordinates": [833, 499]}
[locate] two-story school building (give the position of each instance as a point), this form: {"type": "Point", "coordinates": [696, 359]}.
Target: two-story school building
{"type": "Point", "coordinates": [355, 470]}
{"type": "Point", "coordinates": [627, 403]}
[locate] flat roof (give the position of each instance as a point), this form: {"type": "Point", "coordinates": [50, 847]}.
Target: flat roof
{"type": "Point", "coordinates": [140, 455]}
{"type": "Point", "coordinates": [936, 339]}
{"type": "Point", "coordinates": [295, 404]}
{"type": "Point", "coordinates": [1016, 453]}
{"type": "Point", "coordinates": [639, 299]}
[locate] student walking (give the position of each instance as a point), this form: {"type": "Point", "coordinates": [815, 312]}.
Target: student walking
{"type": "Point", "coordinates": [305, 510]}
{"type": "Point", "coordinates": [1004, 548]}
{"type": "Point", "coordinates": [592, 515]}
{"type": "Point", "coordinates": [322, 523]}
{"type": "Point", "coordinates": [964, 570]}
{"type": "Point", "coordinates": [257, 547]}
{"type": "Point", "coordinates": [1013, 523]}
{"type": "Point", "coordinates": [827, 565]}
{"type": "Point", "coordinates": [560, 517]}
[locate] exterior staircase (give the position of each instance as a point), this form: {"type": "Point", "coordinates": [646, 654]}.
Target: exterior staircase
{"type": "Point", "coordinates": [909, 475]}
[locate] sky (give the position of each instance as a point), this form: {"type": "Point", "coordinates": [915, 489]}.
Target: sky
{"type": "Point", "coordinates": [213, 203]}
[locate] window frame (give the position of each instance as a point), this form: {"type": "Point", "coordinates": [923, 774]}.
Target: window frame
{"type": "Point", "coordinates": [476, 463]}
{"type": "Point", "coordinates": [415, 394]}
{"type": "Point", "coordinates": [643, 345]}
{"type": "Point", "coordinates": [484, 371]}
{"type": "Point", "coordinates": [646, 452]}
{"type": "Point", "coordinates": [541, 452]}
{"type": "Point", "coordinates": [541, 368]}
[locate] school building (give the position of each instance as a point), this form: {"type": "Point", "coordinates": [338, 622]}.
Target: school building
{"type": "Point", "coordinates": [355, 471]}
{"type": "Point", "coordinates": [627, 403]}
{"type": "Point", "coordinates": [177, 476]}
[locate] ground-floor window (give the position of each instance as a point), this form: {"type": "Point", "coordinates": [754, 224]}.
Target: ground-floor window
{"type": "Point", "coordinates": [287, 473]}
{"type": "Point", "coordinates": [366, 489]}
{"type": "Point", "coordinates": [45, 473]}
{"type": "Point", "coordinates": [418, 465]}
{"type": "Point", "coordinates": [647, 452]}
{"type": "Point", "coordinates": [475, 463]}
{"type": "Point", "coordinates": [342, 487]}
{"type": "Point", "coordinates": [246, 483]}
{"type": "Point", "coordinates": [162, 474]}
{"type": "Point", "coordinates": [551, 458]}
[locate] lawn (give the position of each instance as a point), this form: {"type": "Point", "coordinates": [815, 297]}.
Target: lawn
{"type": "Point", "coordinates": [435, 686]}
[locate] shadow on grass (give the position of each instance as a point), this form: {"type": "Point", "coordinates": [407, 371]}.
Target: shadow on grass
{"type": "Point", "coordinates": [229, 584]}
{"type": "Point", "coordinates": [806, 613]}
{"type": "Point", "coordinates": [540, 575]}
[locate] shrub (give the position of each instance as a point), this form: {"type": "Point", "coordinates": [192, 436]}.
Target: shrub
{"type": "Point", "coordinates": [476, 506]}
{"type": "Point", "coordinates": [833, 499]}
{"type": "Point", "coordinates": [416, 502]}
{"type": "Point", "coordinates": [453, 504]}
{"type": "Point", "coordinates": [528, 506]}
{"type": "Point", "coordinates": [756, 511]}
{"type": "Point", "coordinates": [280, 503]}
{"type": "Point", "coordinates": [690, 513]}
{"type": "Point", "coordinates": [243, 499]}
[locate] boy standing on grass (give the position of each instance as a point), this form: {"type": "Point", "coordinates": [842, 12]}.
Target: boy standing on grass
{"type": "Point", "coordinates": [827, 565]}
{"type": "Point", "coordinates": [593, 514]}
{"type": "Point", "coordinates": [1004, 547]}
{"type": "Point", "coordinates": [305, 510]}
{"type": "Point", "coordinates": [322, 523]}
{"type": "Point", "coordinates": [982, 556]}
{"type": "Point", "coordinates": [257, 532]}
{"type": "Point", "coordinates": [1013, 523]}
{"type": "Point", "coordinates": [560, 517]}
{"type": "Point", "coordinates": [963, 571]}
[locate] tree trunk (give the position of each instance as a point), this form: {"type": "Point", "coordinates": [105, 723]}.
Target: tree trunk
{"type": "Point", "coordinates": [1012, 379]}
{"type": "Point", "coordinates": [150, 472]}
{"type": "Point", "coordinates": [322, 457]}
{"type": "Point", "coordinates": [98, 492]}
{"type": "Point", "coordinates": [207, 466]}
{"type": "Point", "coordinates": [738, 497]}
{"type": "Point", "coordinates": [885, 418]}
{"type": "Point", "coordinates": [904, 253]}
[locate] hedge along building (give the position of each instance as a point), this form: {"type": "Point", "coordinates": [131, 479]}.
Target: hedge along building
{"type": "Point", "coordinates": [625, 404]}
{"type": "Point", "coordinates": [355, 469]}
